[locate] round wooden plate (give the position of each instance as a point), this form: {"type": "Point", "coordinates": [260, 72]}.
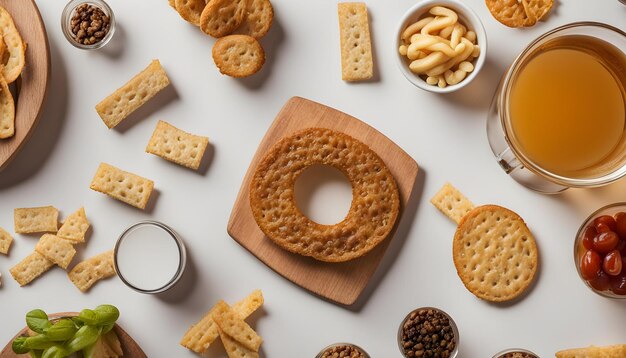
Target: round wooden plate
{"type": "Point", "coordinates": [129, 346]}
{"type": "Point", "coordinates": [32, 85]}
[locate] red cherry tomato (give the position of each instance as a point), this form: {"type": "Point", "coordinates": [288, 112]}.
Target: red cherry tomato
{"type": "Point", "coordinates": [605, 242]}
{"type": "Point", "coordinates": [588, 235]}
{"type": "Point", "coordinates": [600, 228]}
{"type": "Point", "coordinates": [612, 264]}
{"type": "Point", "coordinates": [618, 284]}
{"type": "Point", "coordinates": [620, 220]}
{"type": "Point", "coordinates": [602, 282]}
{"type": "Point", "coordinates": [590, 265]}
{"type": "Point", "coordinates": [605, 220]}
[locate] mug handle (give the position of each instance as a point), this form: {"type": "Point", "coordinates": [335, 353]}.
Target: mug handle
{"type": "Point", "coordinates": [508, 161]}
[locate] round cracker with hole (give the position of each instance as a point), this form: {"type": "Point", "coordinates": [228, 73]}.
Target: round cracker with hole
{"type": "Point", "coordinates": [494, 253]}
{"type": "Point", "coordinates": [515, 13]}
{"type": "Point", "coordinates": [375, 198]}
{"type": "Point", "coordinates": [238, 55]}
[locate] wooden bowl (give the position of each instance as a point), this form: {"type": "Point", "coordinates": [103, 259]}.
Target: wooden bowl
{"type": "Point", "coordinates": [31, 87]}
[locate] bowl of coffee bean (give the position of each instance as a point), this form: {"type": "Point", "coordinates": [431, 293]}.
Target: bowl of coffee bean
{"type": "Point", "coordinates": [428, 332]}
{"type": "Point", "coordinates": [341, 350]}
{"type": "Point", "coordinates": [88, 24]}
{"type": "Point", "coordinates": [515, 353]}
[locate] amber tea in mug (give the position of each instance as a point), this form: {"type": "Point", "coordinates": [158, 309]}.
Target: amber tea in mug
{"type": "Point", "coordinates": [566, 107]}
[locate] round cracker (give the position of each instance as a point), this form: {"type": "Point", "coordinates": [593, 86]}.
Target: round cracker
{"type": "Point", "coordinates": [238, 55]}
{"type": "Point", "coordinates": [258, 19]}
{"type": "Point", "coordinates": [514, 13]}
{"type": "Point", "coordinates": [221, 17]}
{"type": "Point", "coordinates": [172, 4]}
{"type": "Point", "coordinates": [375, 198]}
{"type": "Point", "coordinates": [494, 253]}
{"type": "Point", "coordinates": [190, 10]}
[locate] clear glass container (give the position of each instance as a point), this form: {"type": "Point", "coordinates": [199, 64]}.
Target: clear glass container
{"type": "Point", "coordinates": [455, 330]}
{"type": "Point", "coordinates": [319, 355]}
{"type": "Point", "coordinates": [66, 18]}
{"type": "Point", "coordinates": [515, 350]}
{"type": "Point", "coordinates": [178, 246]}
{"type": "Point", "coordinates": [579, 249]}
{"type": "Point", "coordinates": [502, 143]}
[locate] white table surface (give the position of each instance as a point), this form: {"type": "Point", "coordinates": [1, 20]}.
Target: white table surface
{"type": "Point", "coordinates": [445, 135]}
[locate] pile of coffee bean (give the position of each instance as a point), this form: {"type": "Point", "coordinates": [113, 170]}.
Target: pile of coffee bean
{"type": "Point", "coordinates": [89, 24]}
{"type": "Point", "coordinates": [343, 351]}
{"type": "Point", "coordinates": [427, 333]}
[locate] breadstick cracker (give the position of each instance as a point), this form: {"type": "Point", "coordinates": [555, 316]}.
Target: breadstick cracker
{"type": "Point", "coordinates": [33, 220]}
{"type": "Point", "coordinates": [7, 111]}
{"type": "Point", "coordinates": [232, 324]}
{"type": "Point", "coordinates": [5, 241]}
{"type": "Point", "coordinates": [175, 145]}
{"type": "Point", "coordinates": [55, 249]}
{"type": "Point", "coordinates": [452, 203]}
{"type": "Point", "coordinates": [200, 336]}
{"type": "Point", "coordinates": [616, 351]}
{"type": "Point", "coordinates": [357, 63]}
{"type": "Point", "coordinates": [30, 268]}
{"type": "Point", "coordinates": [134, 94]}
{"type": "Point", "coordinates": [85, 274]}
{"type": "Point", "coordinates": [124, 186]}
{"type": "Point", "coordinates": [235, 349]}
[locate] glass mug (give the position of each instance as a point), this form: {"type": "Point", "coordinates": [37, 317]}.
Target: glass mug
{"type": "Point", "coordinates": [506, 147]}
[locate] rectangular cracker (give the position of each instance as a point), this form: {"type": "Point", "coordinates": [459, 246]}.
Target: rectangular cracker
{"type": "Point", "coordinates": [200, 336]}
{"type": "Point", "coordinates": [85, 274]}
{"type": "Point", "coordinates": [75, 227]}
{"type": "Point", "coordinates": [235, 349]}
{"type": "Point", "coordinates": [175, 145]}
{"type": "Point", "coordinates": [135, 93]}
{"type": "Point", "coordinates": [232, 324]}
{"type": "Point", "coordinates": [55, 249]}
{"type": "Point", "coordinates": [111, 340]}
{"type": "Point", "coordinates": [5, 241]}
{"type": "Point", "coordinates": [30, 268]}
{"type": "Point", "coordinates": [123, 186]}
{"type": "Point", "coordinates": [616, 351]}
{"type": "Point", "coordinates": [452, 203]}
{"type": "Point", "coordinates": [32, 220]}
{"type": "Point", "coordinates": [357, 63]}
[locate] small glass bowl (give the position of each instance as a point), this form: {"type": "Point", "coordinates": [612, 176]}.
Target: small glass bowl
{"type": "Point", "coordinates": [579, 249]}
{"type": "Point", "coordinates": [455, 330]}
{"type": "Point", "coordinates": [66, 18]}
{"type": "Point", "coordinates": [319, 355]}
{"type": "Point", "coordinates": [515, 350]}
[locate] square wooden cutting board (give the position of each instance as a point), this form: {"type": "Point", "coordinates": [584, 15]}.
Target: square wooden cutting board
{"type": "Point", "coordinates": [339, 282]}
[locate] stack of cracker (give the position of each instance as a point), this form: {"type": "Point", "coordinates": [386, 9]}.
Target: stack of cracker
{"type": "Point", "coordinates": [56, 247]}
{"type": "Point", "coordinates": [237, 24]}
{"type": "Point", "coordinates": [12, 60]}
{"type": "Point", "coordinates": [226, 322]}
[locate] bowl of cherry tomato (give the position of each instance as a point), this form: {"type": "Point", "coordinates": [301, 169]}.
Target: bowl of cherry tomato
{"type": "Point", "coordinates": [600, 251]}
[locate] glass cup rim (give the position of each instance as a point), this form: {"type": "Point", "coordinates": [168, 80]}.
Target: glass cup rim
{"type": "Point", "coordinates": [578, 237]}
{"type": "Point", "coordinates": [182, 258]}
{"type": "Point", "coordinates": [338, 344]}
{"type": "Point", "coordinates": [68, 10]}
{"type": "Point", "coordinates": [455, 330]}
{"type": "Point", "coordinates": [503, 109]}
